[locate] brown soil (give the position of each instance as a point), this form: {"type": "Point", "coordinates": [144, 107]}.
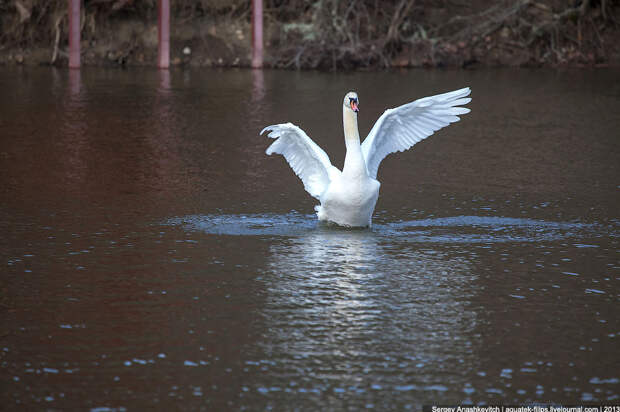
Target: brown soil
{"type": "Point", "coordinates": [325, 35]}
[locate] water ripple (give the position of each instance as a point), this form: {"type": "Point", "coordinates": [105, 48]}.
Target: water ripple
{"type": "Point", "coordinates": [457, 229]}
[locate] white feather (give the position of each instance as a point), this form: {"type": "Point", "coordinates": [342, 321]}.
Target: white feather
{"type": "Point", "coordinates": [400, 128]}
{"type": "Point", "coordinates": [305, 157]}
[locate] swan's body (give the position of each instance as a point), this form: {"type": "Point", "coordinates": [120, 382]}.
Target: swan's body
{"type": "Point", "coordinates": [348, 198]}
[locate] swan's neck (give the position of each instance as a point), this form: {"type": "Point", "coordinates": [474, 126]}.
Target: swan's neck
{"type": "Point", "coordinates": [354, 164]}
{"type": "Point", "coordinates": [349, 120]}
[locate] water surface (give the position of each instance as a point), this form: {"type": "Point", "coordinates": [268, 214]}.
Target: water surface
{"type": "Point", "coordinates": [155, 257]}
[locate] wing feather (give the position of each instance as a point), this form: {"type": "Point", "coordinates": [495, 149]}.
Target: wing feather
{"type": "Point", "coordinates": [400, 128]}
{"type": "Point", "coordinates": [305, 157]}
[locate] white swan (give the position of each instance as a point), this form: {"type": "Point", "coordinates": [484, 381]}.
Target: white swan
{"type": "Point", "coordinates": [348, 198]}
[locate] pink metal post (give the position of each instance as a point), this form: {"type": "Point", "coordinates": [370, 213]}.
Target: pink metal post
{"type": "Point", "coordinates": [74, 34]}
{"type": "Point", "coordinates": [163, 48]}
{"type": "Point", "coordinates": [257, 34]}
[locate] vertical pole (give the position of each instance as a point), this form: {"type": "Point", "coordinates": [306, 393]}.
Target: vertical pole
{"type": "Point", "coordinates": [74, 34]}
{"type": "Point", "coordinates": [257, 34]}
{"type": "Point", "coordinates": [163, 26]}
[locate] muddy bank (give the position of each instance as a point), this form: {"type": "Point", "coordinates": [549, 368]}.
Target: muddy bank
{"type": "Point", "coordinates": [323, 35]}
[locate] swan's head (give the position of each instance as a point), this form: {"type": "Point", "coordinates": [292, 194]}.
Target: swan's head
{"type": "Point", "coordinates": [351, 102]}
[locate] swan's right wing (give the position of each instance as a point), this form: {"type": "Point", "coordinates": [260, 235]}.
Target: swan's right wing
{"type": "Point", "coordinates": [305, 157]}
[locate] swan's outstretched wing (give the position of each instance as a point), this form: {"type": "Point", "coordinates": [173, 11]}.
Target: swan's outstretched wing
{"type": "Point", "coordinates": [400, 128]}
{"type": "Point", "coordinates": [305, 157]}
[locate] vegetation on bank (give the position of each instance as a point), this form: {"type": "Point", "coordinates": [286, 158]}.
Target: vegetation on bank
{"type": "Point", "coordinates": [323, 34]}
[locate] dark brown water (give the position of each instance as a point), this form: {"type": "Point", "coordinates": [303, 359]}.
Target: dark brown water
{"type": "Point", "coordinates": [154, 257]}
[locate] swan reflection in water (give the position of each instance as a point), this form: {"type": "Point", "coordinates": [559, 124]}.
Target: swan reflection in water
{"type": "Point", "coordinates": [353, 308]}
{"type": "Point", "coordinates": [387, 309]}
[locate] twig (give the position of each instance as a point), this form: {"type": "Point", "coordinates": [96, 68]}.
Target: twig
{"type": "Point", "coordinates": [56, 39]}
{"type": "Point", "coordinates": [397, 18]}
{"type": "Point", "coordinates": [489, 25]}
{"type": "Point", "coordinates": [24, 12]}
{"type": "Point", "coordinates": [598, 35]}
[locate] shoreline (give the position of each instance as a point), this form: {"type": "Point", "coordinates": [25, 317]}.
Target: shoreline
{"type": "Point", "coordinates": [482, 34]}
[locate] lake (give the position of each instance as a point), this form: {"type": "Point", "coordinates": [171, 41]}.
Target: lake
{"type": "Point", "coordinates": [154, 257]}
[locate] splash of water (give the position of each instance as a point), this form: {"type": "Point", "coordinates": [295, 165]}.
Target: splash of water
{"type": "Point", "coordinates": [457, 229]}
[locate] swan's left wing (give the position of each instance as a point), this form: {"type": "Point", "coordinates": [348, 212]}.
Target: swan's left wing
{"type": "Point", "coordinates": [305, 157]}
{"type": "Point", "coordinates": [400, 128]}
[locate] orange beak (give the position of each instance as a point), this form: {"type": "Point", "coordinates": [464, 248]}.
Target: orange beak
{"type": "Point", "coordinates": [354, 106]}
